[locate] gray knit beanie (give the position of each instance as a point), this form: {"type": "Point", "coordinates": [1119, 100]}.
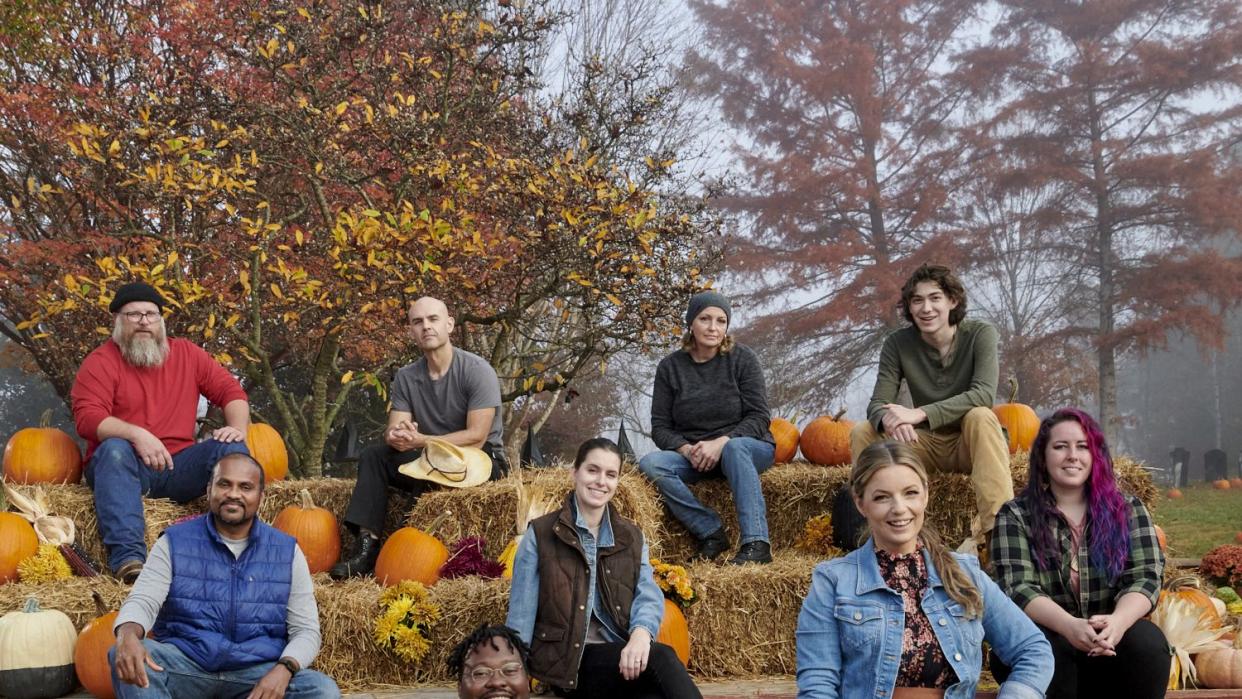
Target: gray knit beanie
{"type": "Point", "coordinates": [707, 299]}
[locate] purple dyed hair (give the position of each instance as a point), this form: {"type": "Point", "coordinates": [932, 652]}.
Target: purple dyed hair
{"type": "Point", "coordinates": [1108, 513]}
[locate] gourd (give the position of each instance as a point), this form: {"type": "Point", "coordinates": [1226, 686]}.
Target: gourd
{"type": "Point", "coordinates": [1190, 589]}
{"type": "Point", "coordinates": [316, 530]}
{"type": "Point", "coordinates": [36, 653]}
{"type": "Point", "coordinates": [412, 554]}
{"type": "Point", "coordinates": [1018, 419]}
{"type": "Point", "coordinates": [826, 440]}
{"type": "Point", "coordinates": [42, 454]}
{"type": "Point", "coordinates": [786, 435]}
{"type": "Point", "coordinates": [268, 449]}
{"type": "Point", "coordinates": [1221, 668]}
{"type": "Point", "coordinates": [674, 631]}
{"type": "Point", "coordinates": [90, 657]}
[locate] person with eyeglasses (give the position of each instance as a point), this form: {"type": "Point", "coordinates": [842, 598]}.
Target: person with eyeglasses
{"type": "Point", "coordinates": [135, 402]}
{"type": "Point", "coordinates": [490, 663]}
{"type": "Point", "coordinates": [585, 598]}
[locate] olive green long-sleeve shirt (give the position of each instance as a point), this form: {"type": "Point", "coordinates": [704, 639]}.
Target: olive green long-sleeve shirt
{"type": "Point", "coordinates": [945, 391]}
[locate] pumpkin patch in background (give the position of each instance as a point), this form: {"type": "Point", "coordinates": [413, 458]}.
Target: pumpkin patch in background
{"type": "Point", "coordinates": [786, 435]}
{"type": "Point", "coordinates": [36, 653]}
{"type": "Point", "coordinates": [1175, 494]}
{"type": "Point", "coordinates": [412, 554]}
{"type": "Point", "coordinates": [826, 440]}
{"type": "Point", "coordinates": [267, 447]}
{"type": "Point", "coordinates": [316, 530]}
{"type": "Point", "coordinates": [90, 657]}
{"type": "Point", "coordinates": [42, 454]}
{"type": "Point", "coordinates": [1019, 420]}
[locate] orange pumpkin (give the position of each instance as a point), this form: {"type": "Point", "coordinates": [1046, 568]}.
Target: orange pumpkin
{"type": "Point", "coordinates": [316, 531]}
{"type": "Point", "coordinates": [674, 631]}
{"type": "Point", "coordinates": [826, 440]}
{"type": "Point", "coordinates": [268, 449]}
{"type": "Point", "coordinates": [1221, 484]}
{"type": "Point", "coordinates": [1019, 421]}
{"type": "Point", "coordinates": [412, 554]}
{"type": "Point", "coordinates": [90, 655]}
{"type": "Point", "coordinates": [786, 435]}
{"type": "Point", "coordinates": [1190, 589]}
{"type": "Point", "coordinates": [18, 542]}
{"type": "Point", "coordinates": [1163, 541]}
{"type": "Point", "coordinates": [42, 454]}
{"type": "Point", "coordinates": [1175, 494]}
{"type": "Point", "coordinates": [1235, 482]}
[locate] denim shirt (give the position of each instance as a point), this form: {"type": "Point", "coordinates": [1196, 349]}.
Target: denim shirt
{"type": "Point", "coordinates": [851, 626]}
{"type": "Point", "coordinates": [646, 611]}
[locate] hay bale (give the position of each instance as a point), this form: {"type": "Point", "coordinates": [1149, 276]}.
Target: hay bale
{"type": "Point", "coordinates": [347, 613]}
{"type": "Point", "coordinates": [743, 624]}
{"type": "Point", "coordinates": [489, 510]}
{"type": "Point", "coordinates": [72, 596]}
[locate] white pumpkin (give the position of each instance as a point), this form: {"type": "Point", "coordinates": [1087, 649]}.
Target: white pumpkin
{"type": "Point", "coordinates": [36, 653]}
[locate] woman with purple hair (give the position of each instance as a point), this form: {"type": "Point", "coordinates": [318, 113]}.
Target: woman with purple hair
{"type": "Point", "coordinates": [1082, 560]}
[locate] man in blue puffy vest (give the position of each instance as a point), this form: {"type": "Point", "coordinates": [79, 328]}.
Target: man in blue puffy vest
{"type": "Point", "coordinates": [229, 602]}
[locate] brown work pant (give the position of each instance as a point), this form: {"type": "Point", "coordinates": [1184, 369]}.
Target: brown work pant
{"type": "Point", "coordinates": [979, 449]}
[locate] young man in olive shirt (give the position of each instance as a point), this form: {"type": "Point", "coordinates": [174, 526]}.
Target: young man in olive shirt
{"type": "Point", "coordinates": [950, 366]}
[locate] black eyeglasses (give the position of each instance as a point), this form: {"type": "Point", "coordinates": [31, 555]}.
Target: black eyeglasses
{"type": "Point", "coordinates": [139, 316]}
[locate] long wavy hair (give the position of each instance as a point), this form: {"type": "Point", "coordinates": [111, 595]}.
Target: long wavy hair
{"type": "Point", "coordinates": [1108, 513]}
{"type": "Point", "coordinates": [956, 581]}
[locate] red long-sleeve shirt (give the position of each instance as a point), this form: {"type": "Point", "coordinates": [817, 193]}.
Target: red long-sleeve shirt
{"type": "Point", "coordinates": [163, 399]}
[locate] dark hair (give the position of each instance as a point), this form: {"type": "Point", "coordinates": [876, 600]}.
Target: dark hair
{"type": "Point", "coordinates": [942, 277]}
{"type": "Point", "coordinates": [245, 457]}
{"type": "Point", "coordinates": [597, 443]}
{"type": "Point", "coordinates": [1108, 512]}
{"type": "Point", "coordinates": [481, 635]}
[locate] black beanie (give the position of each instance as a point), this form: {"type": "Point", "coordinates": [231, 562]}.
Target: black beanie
{"type": "Point", "coordinates": [707, 299]}
{"type": "Point", "coordinates": [135, 291]}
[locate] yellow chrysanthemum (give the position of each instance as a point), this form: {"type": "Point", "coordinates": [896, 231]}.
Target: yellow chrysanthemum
{"type": "Point", "coordinates": [405, 620]}
{"type": "Point", "coordinates": [47, 565]}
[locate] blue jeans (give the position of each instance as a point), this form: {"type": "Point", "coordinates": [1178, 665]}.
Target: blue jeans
{"type": "Point", "coordinates": [183, 678]}
{"type": "Point", "coordinates": [741, 462]}
{"type": "Point", "coordinates": [120, 479]}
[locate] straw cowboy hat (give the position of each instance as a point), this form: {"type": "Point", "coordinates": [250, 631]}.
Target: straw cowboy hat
{"type": "Point", "coordinates": [450, 465]}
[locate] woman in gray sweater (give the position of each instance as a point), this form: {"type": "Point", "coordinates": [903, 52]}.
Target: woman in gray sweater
{"type": "Point", "coordinates": [709, 417]}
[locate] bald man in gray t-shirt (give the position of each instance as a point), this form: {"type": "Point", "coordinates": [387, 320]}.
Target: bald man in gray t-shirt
{"type": "Point", "coordinates": [448, 393]}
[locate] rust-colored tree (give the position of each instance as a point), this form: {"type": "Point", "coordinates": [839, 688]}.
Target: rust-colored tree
{"type": "Point", "coordinates": [293, 173]}
{"type": "Point", "coordinates": [1129, 111]}
{"type": "Point", "coordinates": [852, 147]}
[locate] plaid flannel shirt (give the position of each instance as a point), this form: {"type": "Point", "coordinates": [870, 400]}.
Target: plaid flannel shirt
{"type": "Point", "coordinates": [1017, 572]}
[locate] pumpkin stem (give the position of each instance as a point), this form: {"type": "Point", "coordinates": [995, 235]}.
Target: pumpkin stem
{"type": "Point", "coordinates": [101, 607]}
{"type": "Point", "coordinates": [1013, 388]}
{"type": "Point", "coordinates": [46, 419]}
{"type": "Point", "coordinates": [840, 414]}
{"type": "Point", "coordinates": [1184, 581]}
{"type": "Point", "coordinates": [307, 503]}
{"type": "Point", "coordinates": [435, 523]}
{"type": "Point", "coordinates": [32, 605]}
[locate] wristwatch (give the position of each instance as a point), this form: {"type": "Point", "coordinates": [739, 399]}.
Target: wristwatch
{"type": "Point", "coordinates": [290, 664]}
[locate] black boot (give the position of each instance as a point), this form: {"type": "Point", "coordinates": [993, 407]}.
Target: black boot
{"type": "Point", "coordinates": [362, 562]}
{"type": "Point", "coordinates": [711, 546]}
{"type": "Point", "coordinates": [752, 552]}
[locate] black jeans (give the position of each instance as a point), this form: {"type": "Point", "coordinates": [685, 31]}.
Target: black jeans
{"type": "Point", "coordinates": [1140, 670]}
{"type": "Point", "coordinates": [377, 469]}
{"type": "Point", "coordinates": [599, 675]}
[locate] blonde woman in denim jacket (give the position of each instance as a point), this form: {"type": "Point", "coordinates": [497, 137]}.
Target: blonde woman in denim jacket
{"type": "Point", "coordinates": [903, 616]}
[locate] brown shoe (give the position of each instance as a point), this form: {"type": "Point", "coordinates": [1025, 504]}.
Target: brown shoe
{"type": "Point", "coordinates": [128, 572]}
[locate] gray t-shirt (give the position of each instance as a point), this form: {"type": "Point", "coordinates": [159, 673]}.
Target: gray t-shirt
{"type": "Point", "coordinates": [440, 406]}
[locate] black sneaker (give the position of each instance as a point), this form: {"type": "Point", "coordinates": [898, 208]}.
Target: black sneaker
{"type": "Point", "coordinates": [711, 546]}
{"type": "Point", "coordinates": [362, 562]}
{"type": "Point", "coordinates": [752, 552]}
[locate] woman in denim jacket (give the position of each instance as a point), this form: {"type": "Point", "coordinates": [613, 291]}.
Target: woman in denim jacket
{"type": "Point", "coordinates": [902, 615]}
{"type": "Point", "coordinates": [585, 599]}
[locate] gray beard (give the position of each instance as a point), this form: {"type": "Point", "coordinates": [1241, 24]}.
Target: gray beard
{"type": "Point", "coordinates": [144, 351]}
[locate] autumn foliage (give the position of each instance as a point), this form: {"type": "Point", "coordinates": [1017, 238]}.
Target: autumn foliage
{"type": "Point", "coordinates": [293, 174]}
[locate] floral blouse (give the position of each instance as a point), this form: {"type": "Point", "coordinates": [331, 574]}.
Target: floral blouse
{"type": "Point", "coordinates": [922, 661]}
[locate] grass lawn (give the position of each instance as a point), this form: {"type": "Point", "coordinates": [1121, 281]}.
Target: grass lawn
{"type": "Point", "coordinates": [1202, 519]}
